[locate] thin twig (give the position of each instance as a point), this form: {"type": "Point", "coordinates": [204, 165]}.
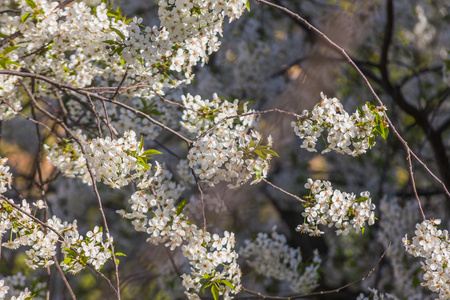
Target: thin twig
{"type": "Point", "coordinates": [201, 198]}
{"type": "Point", "coordinates": [97, 117]}
{"type": "Point", "coordinates": [63, 277]}
{"type": "Point", "coordinates": [175, 268]}
{"type": "Point", "coordinates": [281, 190]}
{"type": "Point", "coordinates": [411, 173]}
{"type": "Point", "coordinates": [113, 98]}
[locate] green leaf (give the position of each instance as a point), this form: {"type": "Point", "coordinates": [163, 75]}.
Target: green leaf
{"type": "Point", "coordinates": [141, 144]}
{"type": "Point", "coordinates": [118, 33]}
{"type": "Point", "coordinates": [4, 62]}
{"type": "Point", "coordinates": [247, 4]}
{"type": "Point", "coordinates": [362, 230]}
{"type": "Point", "coordinates": [385, 132]}
{"type": "Point", "coordinates": [110, 42]}
{"type": "Point", "coordinates": [143, 163]}
{"type": "Point", "coordinates": [215, 292]}
{"type": "Point", "coordinates": [151, 152]}
{"type": "Point", "coordinates": [181, 207]}
{"type": "Point", "coordinates": [260, 154]}
{"type": "Point", "coordinates": [31, 4]}
{"type": "Point", "coordinates": [25, 17]}
{"type": "Point", "coordinates": [228, 284]}
{"type": "Point", "coordinates": [270, 152]}
{"type": "Point", "coordinates": [362, 199]}
{"type": "Point", "coordinates": [66, 261]}
{"type": "Point", "coordinates": [70, 252]}
{"type": "Point", "coordinates": [120, 254]}
{"type": "Point", "coordinates": [361, 113]}
{"type": "Point", "coordinates": [113, 14]}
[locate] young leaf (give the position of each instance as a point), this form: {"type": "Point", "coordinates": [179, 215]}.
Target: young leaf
{"type": "Point", "coordinates": [248, 5]}
{"type": "Point", "coordinates": [384, 131]}
{"type": "Point", "coordinates": [25, 17]}
{"type": "Point", "coordinates": [143, 163]}
{"type": "Point", "coordinates": [215, 292]}
{"type": "Point", "coordinates": [151, 152]}
{"type": "Point", "coordinates": [66, 261]}
{"type": "Point", "coordinates": [141, 144]}
{"type": "Point", "coordinates": [8, 50]}
{"type": "Point", "coordinates": [181, 207]}
{"type": "Point", "coordinates": [270, 152]}
{"type": "Point", "coordinates": [228, 284]}
{"type": "Point", "coordinates": [260, 154]}
{"type": "Point", "coordinates": [31, 4]}
{"type": "Point", "coordinates": [362, 199]}
{"type": "Point", "coordinates": [118, 33]}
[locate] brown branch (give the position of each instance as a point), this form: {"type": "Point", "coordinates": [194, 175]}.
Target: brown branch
{"type": "Point", "coordinates": [81, 91]}
{"type": "Point", "coordinates": [63, 277]}
{"type": "Point", "coordinates": [201, 198]}
{"type": "Point", "coordinates": [281, 190]}
{"type": "Point", "coordinates": [10, 38]}
{"type": "Point", "coordinates": [14, 11]}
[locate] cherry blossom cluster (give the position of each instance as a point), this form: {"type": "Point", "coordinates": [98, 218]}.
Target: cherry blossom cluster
{"type": "Point", "coordinates": [328, 206]}
{"type": "Point", "coordinates": [207, 255]}
{"type": "Point", "coordinates": [114, 162]}
{"type": "Point", "coordinates": [28, 233]}
{"type": "Point", "coordinates": [433, 244]}
{"type": "Point", "coordinates": [288, 265]}
{"type": "Point", "coordinates": [14, 287]}
{"type": "Point", "coordinates": [194, 26]}
{"type": "Point", "coordinates": [78, 251]}
{"type": "Point", "coordinates": [43, 237]}
{"type": "Point", "coordinates": [67, 156]}
{"type": "Point", "coordinates": [228, 148]}
{"type": "Point", "coordinates": [91, 250]}
{"type": "Point", "coordinates": [153, 210]}
{"type": "Point", "coordinates": [346, 134]}
{"type": "Point", "coordinates": [188, 34]}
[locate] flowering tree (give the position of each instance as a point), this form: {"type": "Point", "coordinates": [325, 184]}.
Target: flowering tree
{"type": "Point", "coordinates": [121, 146]}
